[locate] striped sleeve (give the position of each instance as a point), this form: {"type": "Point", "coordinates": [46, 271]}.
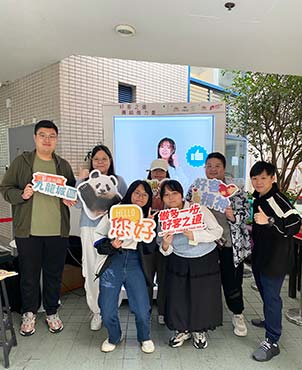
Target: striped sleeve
{"type": "Point", "coordinates": [287, 218]}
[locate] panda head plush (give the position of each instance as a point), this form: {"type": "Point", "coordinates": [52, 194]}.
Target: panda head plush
{"type": "Point", "coordinates": [98, 194]}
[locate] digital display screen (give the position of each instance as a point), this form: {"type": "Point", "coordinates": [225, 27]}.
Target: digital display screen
{"type": "Point", "coordinates": [183, 141]}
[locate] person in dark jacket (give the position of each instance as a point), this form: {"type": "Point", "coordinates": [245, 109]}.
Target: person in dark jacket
{"type": "Point", "coordinates": [275, 222]}
{"type": "Point", "coordinates": [41, 227]}
{"type": "Point", "coordinates": [122, 266]}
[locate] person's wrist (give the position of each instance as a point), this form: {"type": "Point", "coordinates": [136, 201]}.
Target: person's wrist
{"type": "Point", "coordinates": [165, 246]}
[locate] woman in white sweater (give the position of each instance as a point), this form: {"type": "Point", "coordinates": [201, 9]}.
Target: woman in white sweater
{"type": "Point", "coordinates": [193, 294]}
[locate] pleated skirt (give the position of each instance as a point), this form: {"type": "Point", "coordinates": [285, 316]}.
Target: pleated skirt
{"type": "Point", "coordinates": [193, 293]}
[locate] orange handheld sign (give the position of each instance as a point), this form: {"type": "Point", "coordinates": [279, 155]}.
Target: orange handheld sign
{"type": "Point", "coordinates": [127, 222]}
{"type": "Point", "coordinates": [54, 185]}
{"type": "Point", "coordinates": [127, 211]}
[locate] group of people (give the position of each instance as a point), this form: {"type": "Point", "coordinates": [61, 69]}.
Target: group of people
{"type": "Point", "coordinates": [190, 266]}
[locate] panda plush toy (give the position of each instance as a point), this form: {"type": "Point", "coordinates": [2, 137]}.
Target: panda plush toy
{"type": "Point", "coordinates": [98, 194]}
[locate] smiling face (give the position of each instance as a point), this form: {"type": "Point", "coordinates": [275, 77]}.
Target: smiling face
{"type": "Point", "coordinates": [140, 197]}
{"type": "Point", "coordinates": [101, 162]}
{"type": "Point", "coordinates": [263, 182]}
{"type": "Point", "coordinates": [46, 142]}
{"type": "Point", "coordinates": [165, 150]}
{"type": "Point", "coordinates": [215, 169]}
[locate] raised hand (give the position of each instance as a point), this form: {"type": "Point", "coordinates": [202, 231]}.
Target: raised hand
{"type": "Point", "coordinates": [69, 203]}
{"type": "Point", "coordinates": [83, 173]}
{"type": "Point", "coordinates": [188, 234]}
{"type": "Point", "coordinates": [27, 192]}
{"type": "Point", "coordinates": [167, 240]}
{"type": "Point", "coordinates": [152, 215]}
{"type": "Point", "coordinates": [260, 217]}
{"type": "Point", "coordinates": [116, 243]}
{"type": "Point", "coordinates": [229, 214]}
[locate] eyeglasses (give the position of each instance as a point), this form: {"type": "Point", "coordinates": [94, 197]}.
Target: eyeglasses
{"type": "Point", "coordinates": [138, 194]}
{"type": "Point", "coordinates": [50, 137]}
{"type": "Point", "coordinates": [100, 160]}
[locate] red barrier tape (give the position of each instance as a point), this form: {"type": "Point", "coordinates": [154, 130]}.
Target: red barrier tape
{"type": "Point", "coordinates": [8, 219]}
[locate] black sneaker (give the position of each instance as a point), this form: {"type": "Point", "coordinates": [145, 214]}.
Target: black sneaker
{"type": "Point", "coordinates": [258, 323]}
{"type": "Point", "coordinates": [179, 338]}
{"type": "Point", "coordinates": [199, 340]}
{"type": "Point", "coordinates": [266, 351]}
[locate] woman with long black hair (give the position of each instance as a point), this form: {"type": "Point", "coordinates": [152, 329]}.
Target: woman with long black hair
{"type": "Point", "coordinates": [122, 267]}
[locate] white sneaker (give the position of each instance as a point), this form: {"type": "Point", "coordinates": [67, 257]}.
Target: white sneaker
{"type": "Point", "coordinates": [161, 319]}
{"type": "Point", "coordinates": [28, 324]}
{"type": "Point", "coordinates": [179, 338]}
{"type": "Point", "coordinates": [240, 328]}
{"type": "Point", "coordinates": [148, 346]}
{"type": "Point", "coordinates": [96, 322]}
{"type": "Point", "coordinates": [107, 347]}
{"type": "Point", "coordinates": [199, 340]}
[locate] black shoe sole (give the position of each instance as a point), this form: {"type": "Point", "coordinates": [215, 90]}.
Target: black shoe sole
{"type": "Point", "coordinates": [266, 359]}
{"type": "Point", "coordinates": [258, 323]}
{"type": "Point", "coordinates": [27, 334]}
{"type": "Point", "coordinates": [200, 346]}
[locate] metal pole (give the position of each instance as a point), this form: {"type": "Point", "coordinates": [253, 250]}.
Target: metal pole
{"type": "Point", "coordinates": [294, 315]}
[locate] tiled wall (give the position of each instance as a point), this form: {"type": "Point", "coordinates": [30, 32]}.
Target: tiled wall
{"type": "Point", "coordinates": [86, 83]}
{"type": "Point", "coordinates": [72, 92]}
{"type": "Point", "coordinates": [33, 97]}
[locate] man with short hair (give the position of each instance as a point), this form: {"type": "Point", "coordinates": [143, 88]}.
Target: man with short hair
{"type": "Point", "coordinates": [234, 246]}
{"type": "Point", "coordinates": [275, 222]}
{"type": "Point", "coordinates": [41, 227]}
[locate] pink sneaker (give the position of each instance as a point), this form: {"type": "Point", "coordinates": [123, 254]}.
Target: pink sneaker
{"type": "Point", "coordinates": [54, 323]}
{"type": "Point", "coordinates": [28, 324]}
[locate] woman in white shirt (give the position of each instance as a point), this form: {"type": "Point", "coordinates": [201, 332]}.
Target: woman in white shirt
{"type": "Point", "coordinates": [193, 294]}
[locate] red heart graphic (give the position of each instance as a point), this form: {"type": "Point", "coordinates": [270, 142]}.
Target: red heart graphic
{"type": "Point", "coordinates": [227, 190]}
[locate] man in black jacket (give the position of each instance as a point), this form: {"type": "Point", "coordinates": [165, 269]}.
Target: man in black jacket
{"type": "Point", "coordinates": [275, 222]}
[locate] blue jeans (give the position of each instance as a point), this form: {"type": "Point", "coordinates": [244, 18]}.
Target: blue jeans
{"type": "Point", "coordinates": [125, 269]}
{"type": "Point", "coordinates": [269, 289]}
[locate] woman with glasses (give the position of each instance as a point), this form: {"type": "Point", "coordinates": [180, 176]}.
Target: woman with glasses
{"type": "Point", "coordinates": [122, 267]}
{"type": "Point", "coordinates": [193, 293]}
{"type": "Point", "coordinates": [100, 159]}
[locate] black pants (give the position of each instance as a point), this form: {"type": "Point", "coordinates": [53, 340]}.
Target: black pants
{"type": "Point", "coordinates": [38, 253]}
{"type": "Point", "coordinates": [231, 279]}
{"type": "Point", "coordinates": [155, 263]}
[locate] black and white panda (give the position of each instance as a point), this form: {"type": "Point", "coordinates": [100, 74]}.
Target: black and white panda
{"type": "Point", "coordinates": [98, 194]}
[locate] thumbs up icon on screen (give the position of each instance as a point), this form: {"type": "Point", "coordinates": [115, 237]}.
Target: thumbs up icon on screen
{"type": "Point", "coordinates": [197, 156]}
